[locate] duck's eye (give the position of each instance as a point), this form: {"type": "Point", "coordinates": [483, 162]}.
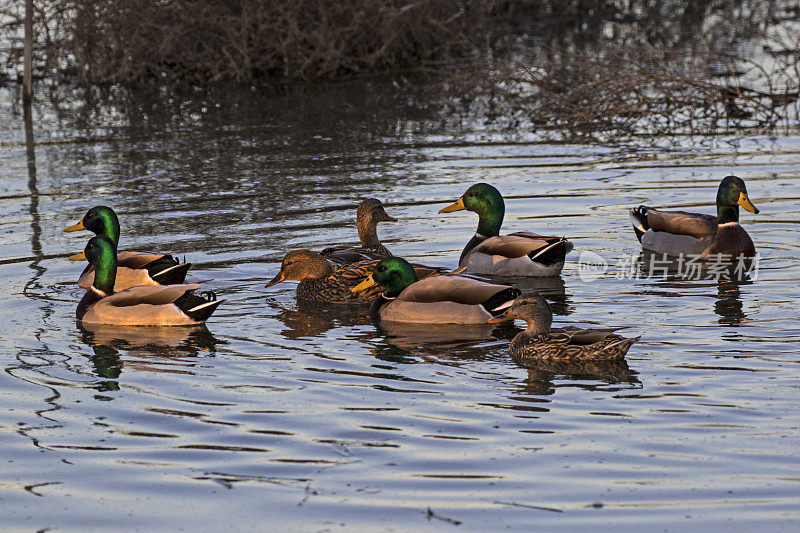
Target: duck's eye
{"type": "Point", "coordinates": [381, 268]}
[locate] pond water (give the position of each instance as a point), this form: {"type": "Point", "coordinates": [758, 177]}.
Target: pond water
{"type": "Point", "coordinates": [304, 418]}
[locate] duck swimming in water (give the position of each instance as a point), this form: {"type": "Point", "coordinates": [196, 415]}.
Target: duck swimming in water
{"type": "Point", "coordinates": [442, 299]}
{"type": "Point", "coordinates": [516, 254]}
{"type": "Point", "coordinates": [680, 233]}
{"type": "Point", "coordinates": [540, 342]}
{"type": "Point", "coordinates": [133, 268]}
{"type": "Point", "coordinates": [143, 305]}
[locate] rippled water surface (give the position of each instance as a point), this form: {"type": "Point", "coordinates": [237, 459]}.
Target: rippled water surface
{"type": "Point", "coordinates": [310, 418]}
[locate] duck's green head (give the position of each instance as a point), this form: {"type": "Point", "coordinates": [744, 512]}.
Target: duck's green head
{"type": "Point", "coordinates": [731, 194]}
{"type": "Point", "coordinates": [392, 273]}
{"type": "Point", "coordinates": [100, 220]}
{"type": "Point", "coordinates": [101, 253]}
{"type": "Point", "coordinates": [487, 202]}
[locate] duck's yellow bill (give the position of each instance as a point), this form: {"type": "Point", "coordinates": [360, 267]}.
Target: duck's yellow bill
{"type": "Point", "coordinates": [745, 202]}
{"type": "Point", "coordinates": [364, 285]}
{"type": "Point", "coordinates": [280, 276]}
{"type": "Point", "coordinates": [458, 206]}
{"type": "Point", "coordinates": [508, 315]}
{"type": "Point", "coordinates": [77, 227]}
{"type": "Point", "coordinates": [78, 257]}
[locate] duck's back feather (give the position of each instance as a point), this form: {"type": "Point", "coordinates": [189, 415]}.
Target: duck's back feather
{"type": "Point", "coordinates": [682, 223]}
{"type": "Point", "coordinates": [513, 245]}
{"type": "Point", "coordinates": [670, 244]}
{"type": "Point", "coordinates": [447, 299]}
{"type": "Point", "coordinates": [345, 255]}
{"type": "Point", "coordinates": [456, 289]}
{"type": "Point", "coordinates": [141, 268]}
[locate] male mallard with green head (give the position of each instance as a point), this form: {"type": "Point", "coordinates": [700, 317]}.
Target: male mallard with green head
{"type": "Point", "coordinates": [517, 254]}
{"type": "Point", "coordinates": [133, 268]}
{"type": "Point", "coordinates": [540, 342]}
{"type": "Point", "coordinates": [144, 305]}
{"type": "Point", "coordinates": [678, 232]}
{"type": "Point", "coordinates": [445, 299]}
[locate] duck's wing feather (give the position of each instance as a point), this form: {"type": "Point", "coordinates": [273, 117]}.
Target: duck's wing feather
{"type": "Point", "coordinates": [149, 294]}
{"type": "Point", "coordinates": [343, 255]}
{"type": "Point", "coordinates": [580, 336]}
{"type": "Point", "coordinates": [516, 245]}
{"type": "Point", "coordinates": [672, 244]}
{"type": "Point", "coordinates": [451, 288]}
{"type": "Point", "coordinates": [130, 259]}
{"type": "Point", "coordinates": [355, 273]}
{"type": "Point", "coordinates": [682, 223]}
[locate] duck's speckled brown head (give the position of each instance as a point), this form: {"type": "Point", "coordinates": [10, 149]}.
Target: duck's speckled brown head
{"type": "Point", "coordinates": [302, 264]}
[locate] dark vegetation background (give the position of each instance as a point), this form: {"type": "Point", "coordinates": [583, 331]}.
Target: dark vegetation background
{"type": "Point", "coordinates": [577, 69]}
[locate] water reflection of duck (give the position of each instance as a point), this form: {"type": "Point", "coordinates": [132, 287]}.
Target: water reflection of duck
{"type": "Point", "coordinates": [312, 319]}
{"type": "Point", "coordinates": [729, 304]}
{"type": "Point", "coordinates": [451, 344]}
{"type": "Point", "coordinates": [370, 212]}
{"type": "Point", "coordinates": [133, 268]}
{"type": "Point", "coordinates": [682, 233]}
{"type": "Point", "coordinates": [433, 337]}
{"type": "Point", "coordinates": [542, 374]}
{"type": "Point", "coordinates": [145, 305]}
{"type": "Point", "coordinates": [189, 340]}
{"type": "Point", "coordinates": [539, 341]}
{"type": "Point", "coordinates": [144, 342]}
{"type": "Point", "coordinates": [516, 254]}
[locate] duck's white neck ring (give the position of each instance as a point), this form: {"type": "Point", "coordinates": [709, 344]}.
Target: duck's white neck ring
{"type": "Point", "coordinates": [97, 291]}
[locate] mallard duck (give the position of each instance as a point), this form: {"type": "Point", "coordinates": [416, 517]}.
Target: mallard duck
{"type": "Point", "coordinates": [445, 299]}
{"type": "Point", "coordinates": [540, 342]}
{"type": "Point", "coordinates": [145, 305]}
{"type": "Point", "coordinates": [517, 254]}
{"type": "Point", "coordinates": [678, 232]}
{"type": "Point", "coordinates": [320, 282]}
{"type": "Point", "coordinates": [370, 212]}
{"type": "Point", "coordinates": [133, 268]}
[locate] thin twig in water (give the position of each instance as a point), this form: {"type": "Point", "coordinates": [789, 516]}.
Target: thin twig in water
{"type": "Point", "coordinates": [537, 507]}
{"type": "Point", "coordinates": [431, 515]}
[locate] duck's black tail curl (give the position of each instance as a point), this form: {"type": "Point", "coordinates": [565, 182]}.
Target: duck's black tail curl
{"type": "Point", "coordinates": [499, 303]}
{"type": "Point", "coordinates": [555, 252]}
{"type": "Point", "coordinates": [198, 306]}
{"type": "Point", "coordinates": [639, 220]}
{"type": "Point", "coordinates": [167, 271]}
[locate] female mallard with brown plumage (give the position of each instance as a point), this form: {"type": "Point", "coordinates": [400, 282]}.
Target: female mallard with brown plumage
{"type": "Point", "coordinates": [133, 268]}
{"type": "Point", "coordinates": [540, 342]}
{"type": "Point", "coordinates": [517, 254]}
{"type": "Point", "coordinates": [144, 305]}
{"type": "Point", "coordinates": [680, 233]}
{"type": "Point", "coordinates": [445, 299]}
{"type": "Point", "coordinates": [370, 212]}
{"type": "Point", "coordinates": [320, 282]}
